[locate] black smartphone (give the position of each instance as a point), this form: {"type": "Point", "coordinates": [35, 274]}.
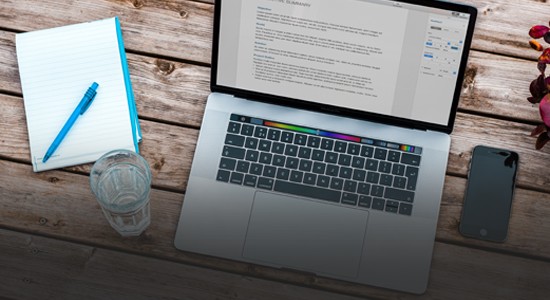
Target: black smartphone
{"type": "Point", "coordinates": [488, 198]}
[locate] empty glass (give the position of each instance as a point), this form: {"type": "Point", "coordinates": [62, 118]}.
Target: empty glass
{"type": "Point", "coordinates": [121, 182]}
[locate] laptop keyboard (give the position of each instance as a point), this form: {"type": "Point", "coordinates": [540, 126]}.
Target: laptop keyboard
{"type": "Point", "coordinates": [350, 170]}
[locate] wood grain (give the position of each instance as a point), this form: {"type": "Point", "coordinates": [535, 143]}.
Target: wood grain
{"type": "Point", "coordinates": [168, 149]}
{"type": "Point", "coordinates": [76, 216]}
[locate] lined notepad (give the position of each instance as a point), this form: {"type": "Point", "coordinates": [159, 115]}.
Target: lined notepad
{"type": "Point", "coordinates": [56, 67]}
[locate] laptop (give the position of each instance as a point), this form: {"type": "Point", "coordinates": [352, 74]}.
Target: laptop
{"type": "Point", "coordinates": [325, 139]}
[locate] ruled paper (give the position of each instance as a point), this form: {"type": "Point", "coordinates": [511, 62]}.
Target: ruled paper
{"type": "Point", "coordinates": [56, 68]}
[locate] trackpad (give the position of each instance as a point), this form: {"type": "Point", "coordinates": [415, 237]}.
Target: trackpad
{"type": "Point", "coordinates": [306, 235]}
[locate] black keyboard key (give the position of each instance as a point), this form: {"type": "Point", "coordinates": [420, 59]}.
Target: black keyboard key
{"type": "Point", "coordinates": [412, 175]}
{"type": "Point", "coordinates": [354, 149]}
{"type": "Point", "coordinates": [365, 201]}
{"type": "Point", "coordinates": [313, 141]}
{"type": "Point", "coordinates": [265, 158]}
{"type": "Point", "coordinates": [363, 188]}
{"type": "Point", "coordinates": [394, 156]}
{"type": "Point", "coordinates": [234, 140]}
{"type": "Point", "coordinates": [386, 179]}
{"type": "Point", "coordinates": [278, 148]}
{"type": "Point", "coordinates": [399, 182]}
{"type": "Point", "coordinates": [251, 143]}
{"type": "Point", "coordinates": [340, 146]}
{"type": "Point", "coordinates": [287, 137]}
{"type": "Point", "coordinates": [380, 153]}
{"type": "Point", "coordinates": [400, 195]}
{"type": "Point", "coordinates": [318, 155]}
{"type": "Point", "coordinates": [377, 191]}
{"type": "Point", "coordinates": [378, 203]}
{"type": "Point", "coordinates": [291, 150]}
{"type": "Point", "coordinates": [247, 130]}
{"type": "Point", "coordinates": [305, 165]}
{"type": "Point", "coordinates": [227, 163]}
{"type": "Point", "coordinates": [264, 145]}
{"type": "Point", "coordinates": [242, 166]}
{"type": "Point", "coordinates": [331, 157]}
{"type": "Point", "coordinates": [296, 176]}
{"type": "Point", "coordinates": [300, 139]}
{"type": "Point", "coordinates": [236, 178]}
{"type": "Point", "coordinates": [319, 168]}
{"type": "Point", "coordinates": [398, 169]}
{"type": "Point", "coordinates": [223, 175]}
{"type": "Point", "coordinates": [332, 170]}
{"type": "Point", "coordinates": [265, 183]}
{"type": "Point", "coordinates": [373, 177]}
{"type": "Point", "coordinates": [345, 172]}
{"type": "Point", "coordinates": [269, 171]}
{"type": "Point", "coordinates": [250, 180]}
{"type": "Point", "coordinates": [283, 174]}
{"type": "Point", "coordinates": [384, 167]}
{"type": "Point", "coordinates": [252, 155]}
{"type": "Point", "coordinates": [327, 144]}
{"type": "Point", "coordinates": [304, 152]}
{"type": "Point", "coordinates": [336, 183]}
{"type": "Point", "coordinates": [392, 206]}
{"type": "Point", "coordinates": [359, 175]}
{"type": "Point", "coordinates": [310, 178]}
{"type": "Point", "coordinates": [292, 162]}
{"type": "Point", "coordinates": [307, 191]}
{"type": "Point", "coordinates": [323, 181]}
{"type": "Point", "coordinates": [256, 169]}
{"type": "Point", "coordinates": [371, 165]}
{"type": "Point", "coordinates": [260, 132]}
{"type": "Point", "coordinates": [367, 151]}
{"type": "Point", "coordinates": [349, 199]}
{"type": "Point", "coordinates": [410, 159]}
{"type": "Point", "coordinates": [405, 209]}
{"type": "Point", "coordinates": [273, 134]}
{"type": "Point", "coordinates": [344, 160]}
{"type": "Point", "coordinates": [358, 162]}
{"type": "Point", "coordinates": [350, 186]}
{"type": "Point", "coordinates": [279, 160]}
{"type": "Point", "coordinates": [230, 151]}
{"type": "Point", "coordinates": [234, 127]}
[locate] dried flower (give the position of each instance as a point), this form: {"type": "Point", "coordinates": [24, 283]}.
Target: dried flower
{"type": "Point", "coordinates": [540, 87]}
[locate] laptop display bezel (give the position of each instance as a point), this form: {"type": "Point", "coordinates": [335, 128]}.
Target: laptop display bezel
{"type": "Point", "coordinates": [347, 112]}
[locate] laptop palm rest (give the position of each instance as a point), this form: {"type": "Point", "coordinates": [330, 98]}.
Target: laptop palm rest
{"type": "Point", "coordinates": [306, 235]}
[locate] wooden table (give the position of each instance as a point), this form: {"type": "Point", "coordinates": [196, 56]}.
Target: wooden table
{"type": "Point", "coordinates": [56, 244]}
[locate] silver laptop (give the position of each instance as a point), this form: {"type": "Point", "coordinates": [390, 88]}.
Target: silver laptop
{"type": "Point", "coordinates": [325, 140]}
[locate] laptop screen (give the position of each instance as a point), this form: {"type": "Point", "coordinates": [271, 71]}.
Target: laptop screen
{"type": "Point", "coordinates": [388, 58]}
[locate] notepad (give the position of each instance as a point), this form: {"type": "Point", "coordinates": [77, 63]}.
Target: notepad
{"type": "Point", "coordinates": [56, 68]}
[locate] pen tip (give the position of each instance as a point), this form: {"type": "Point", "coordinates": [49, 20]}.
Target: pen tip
{"type": "Point", "coordinates": [94, 85]}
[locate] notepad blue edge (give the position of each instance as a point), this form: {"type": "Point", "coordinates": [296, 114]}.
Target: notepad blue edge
{"type": "Point", "coordinates": [129, 91]}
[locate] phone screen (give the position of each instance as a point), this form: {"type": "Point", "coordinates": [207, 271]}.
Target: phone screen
{"type": "Point", "coordinates": [488, 198]}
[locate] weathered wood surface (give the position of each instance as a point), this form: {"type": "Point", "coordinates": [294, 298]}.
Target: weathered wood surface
{"type": "Point", "coordinates": [58, 214]}
{"type": "Point", "coordinates": [182, 29]}
{"type": "Point", "coordinates": [168, 44]}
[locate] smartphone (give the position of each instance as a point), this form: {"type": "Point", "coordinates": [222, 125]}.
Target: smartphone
{"type": "Point", "coordinates": [488, 198]}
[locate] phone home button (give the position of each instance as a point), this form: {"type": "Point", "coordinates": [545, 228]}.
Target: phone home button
{"type": "Point", "coordinates": [483, 232]}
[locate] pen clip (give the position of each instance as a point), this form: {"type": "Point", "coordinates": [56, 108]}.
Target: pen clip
{"type": "Point", "coordinates": [89, 96]}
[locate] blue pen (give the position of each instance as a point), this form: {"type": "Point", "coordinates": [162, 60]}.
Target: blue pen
{"type": "Point", "coordinates": [80, 109]}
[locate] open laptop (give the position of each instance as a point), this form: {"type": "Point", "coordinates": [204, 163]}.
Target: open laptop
{"type": "Point", "coordinates": [325, 140]}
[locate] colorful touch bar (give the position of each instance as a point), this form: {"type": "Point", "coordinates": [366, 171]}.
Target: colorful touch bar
{"type": "Point", "coordinates": [322, 133]}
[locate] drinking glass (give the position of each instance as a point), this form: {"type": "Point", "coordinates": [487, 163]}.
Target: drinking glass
{"type": "Point", "coordinates": [121, 183]}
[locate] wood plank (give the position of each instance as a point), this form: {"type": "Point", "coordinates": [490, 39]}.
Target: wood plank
{"type": "Point", "coordinates": [163, 90]}
{"type": "Point", "coordinates": [170, 162]}
{"type": "Point", "coordinates": [76, 216]}
{"type": "Point", "coordinates": [148, 26]}
{"type": "Point", "coordinates": [174, 28]}
{"type": "Point", "coordinates": [36, 268]}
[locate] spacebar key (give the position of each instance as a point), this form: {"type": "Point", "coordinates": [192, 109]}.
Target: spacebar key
{"type": "Point", "coordinates": [307, 191]}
